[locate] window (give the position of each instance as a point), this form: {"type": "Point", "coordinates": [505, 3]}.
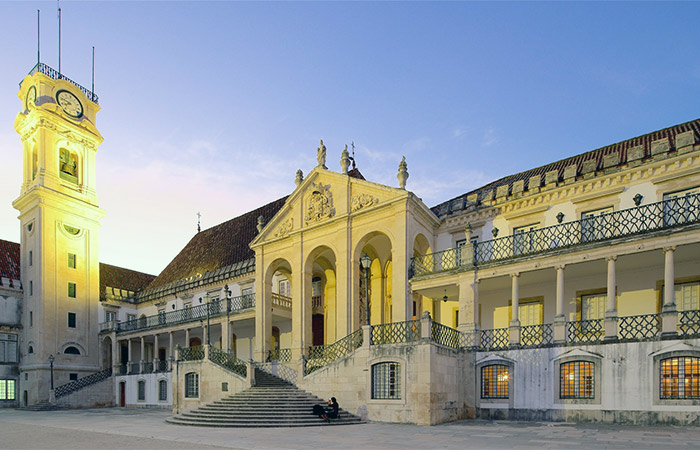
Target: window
{"type": "Point", "coordinates": [30, 349]}
{"type": "Point", "coordinates": [163, 391]}
{"type": "Point", "coordinates": [8, 348]}
{"type": "Point", "coordinates": [110, 316]}
{"type": "Point", "coordinates": [71, 260]}
{"type": "Point", "coordinates": [71, 320]}
{"type": "Point", "coordinates": [7, 389]}
{"type": "Point", "coordinates": [530, 312]}
{"type": "Point", "coordinates": [577, 380]}
{"type": "Point", "coordinates": [680, 378]}
{"type": "Point", "coordinates": [71, 351]}
{"type": "Point", "coordinates": [130, 317]}
{"type": "Point", "coordinates": [386, 381]}
{"type": "Point", "coordinates": [187, 313]}
{"type": "Point", "coordinates": [247, 291]}
{"type": "Point", "coordinates": [224, 386]}
{"type": "Point", "coordinates": [71, 290]}
{"type": "Point", "coordinates": [161, 316]}
{"type": "Point", "coordinates": [73, 376]}
{"type": "Point", "coordinates": [31, 287]}
{"type": "Point", "coordinates": [524, 239]}
{"type": "Point", "coordinates": [593, 306]}
{"type": "Point", "coordinates": [192, 385]}
{"type": "Point", "coordinates": [31, 318]}
{"type": "Point", "coordinates": [597, 224]}
{"type": "Point", "coordinates": [681, 206]}
{"type": "Point", "coordinates": [688, 296]}
{"type": "Point", "coordinates": [494, 381]}
{"type": "Point", "coordinates": [141, 390]}
{"type": "Point", "coordinates": [284, 288]}
{"type": "Point", "coordinates": [31, 258]}
{"type": "Point", "coordinates": [68, 165]}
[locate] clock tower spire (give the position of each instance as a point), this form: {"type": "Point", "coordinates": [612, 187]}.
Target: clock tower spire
{"type": "Point", "coordinates": [60, 220]}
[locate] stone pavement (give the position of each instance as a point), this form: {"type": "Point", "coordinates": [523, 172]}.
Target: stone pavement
{"type": "Point", "coordinates": [138, 428]}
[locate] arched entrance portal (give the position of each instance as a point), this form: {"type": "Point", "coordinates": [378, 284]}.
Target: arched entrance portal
{"type": "Point", "coordinates": [377, 281]}
{"type": "Point", "coordinates": [321, 264]}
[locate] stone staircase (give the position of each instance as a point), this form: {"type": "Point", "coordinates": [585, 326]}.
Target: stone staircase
{"type": "Point", "coordinates": [272, 402]}
{"type": "Point", "coordinates": [43, 405]}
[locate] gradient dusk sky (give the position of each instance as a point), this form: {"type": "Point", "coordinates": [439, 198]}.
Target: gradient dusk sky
{"type": "Point", "coordinates": [213, 106]}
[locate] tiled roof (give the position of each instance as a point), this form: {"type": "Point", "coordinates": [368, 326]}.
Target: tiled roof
{"type": "Point", "coordinates": [121, 278]}
{"type": "Point", "coordinates": [9, 260]}
{"type": "Point", "coordinates": [622, 148]}
{"type": "Point", "coordinates": [219, 246]}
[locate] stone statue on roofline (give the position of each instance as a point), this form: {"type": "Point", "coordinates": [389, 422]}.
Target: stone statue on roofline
{"type": "Point", "coordinates": [321, 155]}
{"type": "Point", "coordinates": [403, 173]}
{"type": "Point", "coordinates": [345, 160]}
{"type": "Point", "coordinates": [300, 177]}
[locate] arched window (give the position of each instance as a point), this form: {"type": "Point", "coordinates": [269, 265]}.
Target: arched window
{"type": "Point", "coordinates": [386, 381]}
{"type": "Point", "coordinates": [163, 390]}
{"type": "Point", "coordinates": [494, 381]}
{"type": "Point", "coordinates": [680, 377]}
{"type": "Point", "coordinates": [192, 385]}
{"type": "Point", "coordinates": [71, 351]}
{"type": "Point", "coordinates": [68, 165]}
{"type": "Point", "coordinates": [30, 349]}
{"type": "Point", "coordinates": [142, 390]}
{"type": "Point", "coordinates": [577, 380]}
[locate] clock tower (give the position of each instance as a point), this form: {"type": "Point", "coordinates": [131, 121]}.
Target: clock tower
{"type": "Point", "coordinates": [60, 220]}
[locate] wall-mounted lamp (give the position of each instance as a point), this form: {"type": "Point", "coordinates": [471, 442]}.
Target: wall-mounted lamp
{"type": "Point", "coordinates": [560, 217]}
{"type": "Point", "coordinates": [494, 232]}
{"type": "Point", "coordinates": [638, 199]}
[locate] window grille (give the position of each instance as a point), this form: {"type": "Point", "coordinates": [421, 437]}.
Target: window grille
{"type": "Point", "coordinates": [142, 390]}
{"type": "Point", "coordinates": [71, 320]}
{"type": "Point", "coordinates": [163, 390]}
{"type": "Point", "coordinates": [386, 381]}
{"type": "Point", "coordinates": [680, 378]}
{"type": "Point", "coordinates": [7, 389]}
{"type": "Point", "coordinates": [192, 385]}
{"type": "Point", "coordinates": [8, 348]}
{"type": "Point", "coordinates": [494, 381]}
{"type": "Point", "coordinates": [110, 316]}
{"type": "Point", "coordinates": [577, 380]}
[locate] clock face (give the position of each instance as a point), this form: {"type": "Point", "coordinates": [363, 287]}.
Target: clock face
{"type": "Point", "coordinates": [69, 103]}
{"type": "Point", "coordinates": [31, 97]}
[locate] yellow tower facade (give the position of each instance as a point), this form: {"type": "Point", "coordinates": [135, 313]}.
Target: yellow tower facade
{"type": "Point", "coordinates": [60, 220]}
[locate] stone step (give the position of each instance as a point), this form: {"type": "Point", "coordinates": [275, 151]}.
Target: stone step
{"type": "Point", "coordinates": [176, 421]}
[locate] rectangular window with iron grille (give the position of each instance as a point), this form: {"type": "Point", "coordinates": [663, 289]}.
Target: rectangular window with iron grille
{"type": "Point", "coordinates": [577, 380]}
{"type": "Point", "coordinates": [680, 378]}
{"type": "Point", "coordinates": [7, 389]}
{"type": "Point", "coordinates": [8, 348]}
{"type": "Point", "coordinates": [163, 390]}
{"type": "Point", "coordinates": [386, 381]}
{"type": "Point", "coordinates": [494, 381]}
{"type": "Point", "coordinates": [192, 385]}
{"type": "Point", "coordinates": [142, 390]}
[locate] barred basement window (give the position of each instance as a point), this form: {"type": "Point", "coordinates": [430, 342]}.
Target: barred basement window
{"type": "Point", "coordinates": [163, 390]}
{"type": "Point", "coordinates": [142, 390]}
{"type": "Point", "coordinates": [680, 378]}
{"type": "Point", "coordinates": [577, 380]}
{"type": "Point", "coordinates": [386, 381]}
{"type": "Point", "coordinates": [192, 385]}
{"type": "Point", "coordinates": [494, 381]}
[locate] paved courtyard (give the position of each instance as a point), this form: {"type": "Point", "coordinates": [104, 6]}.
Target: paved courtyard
{"type": "Point", "coordinates": [131, 428]}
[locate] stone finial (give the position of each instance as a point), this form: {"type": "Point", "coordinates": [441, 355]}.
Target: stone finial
{"type": "Point", "coordinates": [321, 155]}
{"type": "Point", "coordinates": [299, 178]}
{"type": "Point", "coordinates": [261, 223]}
{"type": "Point", "coordinates": [403, 173]}
{"type": "Point", "coordinates": [345, 160]}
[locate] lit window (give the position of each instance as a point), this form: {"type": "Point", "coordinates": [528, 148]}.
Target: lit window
{"type": "Point", "coordinates": [593, 306]}
{"type": "Point", "coordinates": [7, 389]}
{"type": "Point", "coordinates": [577, 380]}
{"type": "Point", "coordinates": [386, 381]}
{"type": "Point", "coordinates": [71, 290]}
{"type": "Point", "coordinates": [192, 385]}
{"type": "Point", "coordinates": [71, 260]}
{"type": "Point", "coordinates": [142, 390]}
{"type": "Point", "coordinates": [68, 165]}
{"type": "Point", "coordinates": [8, 348]}
{"type": "Point", "coordinates": [163, 390]}
{"type": "Point", "coordinates": [688, 296]}
{"type": "Point", "coordinates": [71, 320]}
{"type": "Point", "coordinates": [494, 381]}
{"type": "Point", "coordinates": [680, 378]}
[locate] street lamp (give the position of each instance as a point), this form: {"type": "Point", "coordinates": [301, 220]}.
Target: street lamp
{"type": "Point", "coordinates": [365, 263]}
{"type": "Point", "coordinates": [51, 358]}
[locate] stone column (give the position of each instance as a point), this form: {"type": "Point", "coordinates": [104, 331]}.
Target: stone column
{"type": "Point", "coordinates": [559, 326]}
{"type": "Point", "coordinates": [225, 335]}
{"type": "Point", "coordinates": [515, 319]}
{"type": "Point", "coordinates": [610, 322]}
{"type": "Point", "coordinates": [263, 309]}
{"type": "Point", "coordinates": [128, 364]}
{"type": "Point", "coordinates": [116, 354]}
{"type": "Point", "coordinates": [426, 326]}
{"type": "Point", "coordinates": [170, 350]}
{"type": "Point", "coordinates": [187, 337]}
{"type": "Point", "coordinates": [669, 311]}
{"type": "Point", "coordinates": [143, 354]}
{"type": "Point", "coordinates": [301, 311]}
{"type": "Point", "coordinates": [155, 352]}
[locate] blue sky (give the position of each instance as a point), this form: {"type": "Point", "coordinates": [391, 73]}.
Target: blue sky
{"type": "Point", "coordinates": [212, 106]}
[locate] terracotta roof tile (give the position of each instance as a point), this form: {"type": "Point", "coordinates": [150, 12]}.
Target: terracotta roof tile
{"type": "Point", "coordinates": [219, 246]}
{"type": "Point", "coordinates": [9, 260]}
{"type": "Point", "coordinates": [669, 133]}
{"type": "Point", "coordinates": [121, 278]}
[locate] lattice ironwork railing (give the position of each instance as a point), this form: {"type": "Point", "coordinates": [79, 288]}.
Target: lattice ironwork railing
{"type": "Point", "coordinates": [162, 366]}
{"type": "Point", "coordinates": [689, 323]}
{"type": "Point", "coordinates": [123, 369]}
{"type": "Point", "coordinates": [641, 327]}
{"type": "Point", "coordinates": [191, 353]}
{"type": "Point", "coordinates": [279, 370]}
{"type": "Point", "coordinates": [395, 333]}
{"type": "Point", "coordinates": [662, 215]}
{"type": "Point", "coordinates": [54, 74]}
{"type": "Point", "coordinates": [495, 339]}
{"type": "Point", "coordinates": [279, 354]}
{"type": "Point", "coordinates": [80, 383]}
{"type": "Point", "coordinates": [134, 368]}
{"type": "Point", "coordinates": [585, 331]}
{"type": "Point", "coordinates": [468, 340]}
{"type": "Point", "coordinates": [445, 335]}
{"type": "Point", "coordinates": [536, 335]}
{"type": "Point", "coordinates": [228, 361]}
{"type": "Point", "coordinates": [216, 308]}
{"type": "Point", "coordinates": [322, 355]}
{"type": "Point", "coordinates": [281, 301]}
{"type": "Point", "coordinates": [148, 367]}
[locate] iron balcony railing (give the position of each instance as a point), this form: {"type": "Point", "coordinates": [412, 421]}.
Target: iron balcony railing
{"type": "Point", "coordinates": [667, 214]}
{"type": "Point", "coordinates": [640, 327]}
{"type": "Point", "coordinates": [215, 308]}
{"type": "Point", "coordinates": [279, 354]}
{"type": "Point", "coordinates": [585, 331]}
{"type": "Point", "coordinates": [192, 353]}
{"type": "Point", "coordinates": [395, 333]}
{"type": "Point", "coordinates": [228, 361]}
{"type": "Point", "coordinates": [322, 355]}
{"type": "Point", "coordinates": [54, 74]}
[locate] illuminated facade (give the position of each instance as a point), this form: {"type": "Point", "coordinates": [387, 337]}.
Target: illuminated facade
{"type": "Point", "coordinates": [542, 295]}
